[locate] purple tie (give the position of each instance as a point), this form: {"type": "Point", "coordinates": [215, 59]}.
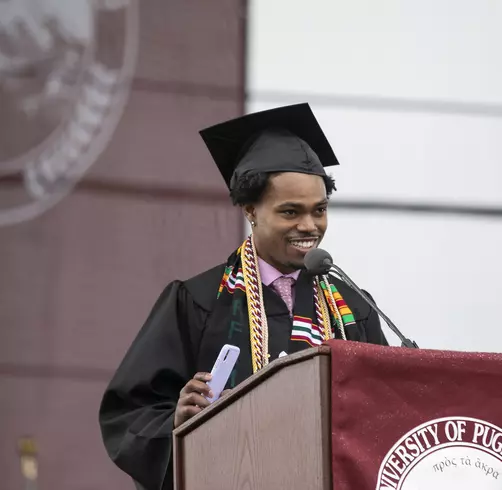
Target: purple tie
{"type": "Point", "coordinates": [283, 287]}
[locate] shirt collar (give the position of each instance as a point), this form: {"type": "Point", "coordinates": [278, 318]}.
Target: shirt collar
{"type": "Point", "coordinates": [269, 273]}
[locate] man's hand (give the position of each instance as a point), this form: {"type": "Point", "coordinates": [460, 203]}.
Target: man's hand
{"type": "Point", "coordinates": [192, 398]}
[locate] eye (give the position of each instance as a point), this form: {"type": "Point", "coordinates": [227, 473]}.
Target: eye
{"type": "Point", "coordinates": [289, 213]}
{"type": "Point", "coordinates": [321, 211]}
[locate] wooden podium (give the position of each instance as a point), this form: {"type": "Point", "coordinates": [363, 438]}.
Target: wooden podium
{"type": "Point", "coordinates": [349, 415]}
{"type": "Point", "coordinates": [271, 432]}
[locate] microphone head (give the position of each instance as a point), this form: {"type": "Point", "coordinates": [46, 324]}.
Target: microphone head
{"type": "Point", "coordinates": [318, 261]}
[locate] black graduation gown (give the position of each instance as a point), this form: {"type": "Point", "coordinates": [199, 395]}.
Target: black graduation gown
{"type": "Point", "coordinates": [178, 339]}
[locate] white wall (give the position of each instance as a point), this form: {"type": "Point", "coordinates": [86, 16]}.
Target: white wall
{"type": "Point", "coordinates": [410, 96]}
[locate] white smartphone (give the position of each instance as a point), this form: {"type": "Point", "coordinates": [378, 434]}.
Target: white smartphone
{"type": "Point", "coordinates": [222, 369]}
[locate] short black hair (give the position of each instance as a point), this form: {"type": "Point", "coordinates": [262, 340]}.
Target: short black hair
{"type": "Point", "coordinates": [250, 188]}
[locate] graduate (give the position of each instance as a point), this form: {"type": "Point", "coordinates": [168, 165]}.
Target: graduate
{"type": "Point", "coordinates": [261, 299]}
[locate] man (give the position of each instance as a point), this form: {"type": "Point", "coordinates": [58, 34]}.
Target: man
{"type": "Point", "coordinates": [259, 300]}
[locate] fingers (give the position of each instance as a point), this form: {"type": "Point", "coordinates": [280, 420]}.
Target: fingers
{"type": "Point", "coordinates": [194, 386]}
{"type": "Point", "coordinates": [198, 385]}
{"type": "Point", "coordinates": [194, 393]}
{"type": "Point", "coordinates": [193, 398]}
{"type": "Point", "coordinates": [188, 406]}
{"type": "Point", "coordinates": [203, 377]}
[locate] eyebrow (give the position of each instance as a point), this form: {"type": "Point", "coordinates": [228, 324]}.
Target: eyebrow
{"type": "Point", "coordinates": [293, 204]}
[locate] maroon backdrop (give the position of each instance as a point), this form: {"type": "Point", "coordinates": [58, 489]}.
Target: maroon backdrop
{"type": "Point", "coordinates": [77, 282]}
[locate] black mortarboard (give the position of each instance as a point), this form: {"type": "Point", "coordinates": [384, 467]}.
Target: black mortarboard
{"type": "Point", "coordinates": [286, 139]}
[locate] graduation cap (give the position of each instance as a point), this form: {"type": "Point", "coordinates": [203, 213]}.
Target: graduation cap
{"type": "Point", "coordinates": [285, 139]}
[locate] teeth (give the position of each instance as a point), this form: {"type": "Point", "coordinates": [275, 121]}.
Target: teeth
{"type": "Point", "coordinates": [303, 243]}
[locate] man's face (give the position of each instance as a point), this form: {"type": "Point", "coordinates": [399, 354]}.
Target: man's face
{"type": "Point", "coordinates": [290, 219]}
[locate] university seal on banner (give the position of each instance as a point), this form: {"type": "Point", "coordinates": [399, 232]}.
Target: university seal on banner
{"type": "Point", "coordinates": [65, 72]}
{"type": "Point", "coordinates": [458, 453]}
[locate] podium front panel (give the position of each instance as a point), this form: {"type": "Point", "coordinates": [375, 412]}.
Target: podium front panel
{"type": "Point", "coordinates": [275, 436]}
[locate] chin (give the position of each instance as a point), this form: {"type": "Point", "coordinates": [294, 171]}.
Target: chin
{"type": "Point", "coordinates": [295, 265]}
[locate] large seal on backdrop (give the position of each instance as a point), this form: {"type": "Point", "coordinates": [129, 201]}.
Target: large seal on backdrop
{"type": "Point", "coordinates": [457, 453]}
{"type": "Point", "coordinates": [65, 73]}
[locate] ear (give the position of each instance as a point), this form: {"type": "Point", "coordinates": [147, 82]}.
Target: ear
{"type": "Point", "coordinates": [249, 212]}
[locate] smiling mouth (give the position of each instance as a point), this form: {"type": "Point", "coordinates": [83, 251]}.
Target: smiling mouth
{"type": "Point", "coordinates": [304, 244]}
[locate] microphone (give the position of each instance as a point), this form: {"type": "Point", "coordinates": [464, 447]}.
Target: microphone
{"type": "Point", "coordinates": [319, 262]}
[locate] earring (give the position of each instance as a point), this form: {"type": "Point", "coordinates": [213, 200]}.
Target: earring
{"type": "Point", "coordinates": [253, 224]}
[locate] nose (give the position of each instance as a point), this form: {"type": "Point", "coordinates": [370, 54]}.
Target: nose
{"type": "Point", "coordinates": [307, 224]}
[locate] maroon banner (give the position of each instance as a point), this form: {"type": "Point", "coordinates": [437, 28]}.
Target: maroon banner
{"type": "Point", "coordinates": [415, 419]}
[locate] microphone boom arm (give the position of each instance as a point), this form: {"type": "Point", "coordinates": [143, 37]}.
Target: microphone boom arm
{"type": "Point", "coordinates": [405, 342]}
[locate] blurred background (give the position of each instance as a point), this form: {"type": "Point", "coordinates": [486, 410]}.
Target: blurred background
{"type": "Point", "coordinates": [107, 192]}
